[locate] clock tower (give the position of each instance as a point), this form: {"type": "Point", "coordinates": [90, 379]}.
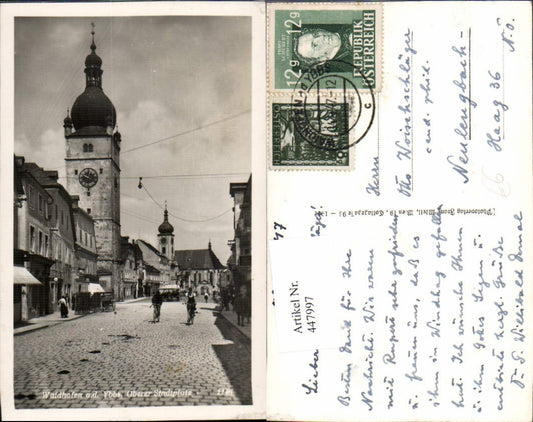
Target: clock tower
{"type": "Point", "coordinates": [93, 168]}
{"type": "Point", "coordinates": [166, 237]}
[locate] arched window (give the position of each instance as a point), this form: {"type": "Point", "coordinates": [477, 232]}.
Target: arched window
{"type": "Point", "coordinates": [87, 147]}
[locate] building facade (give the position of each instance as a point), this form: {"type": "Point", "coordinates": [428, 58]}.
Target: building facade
{"type": "Point", "coordinates": [86, 268]}
{"type": "Point", "coordinates": [32, 249]}
{"type": "Point", "coordinates": [199, 269]}
{"type": "Point", "coordinates": [93, 168]}
{"type": "Point", "coordinates": [240, 261]}
{"type": "Point", "coordinates": [130, 263]}
{"type": "Point", "coordinates": [154, 267]}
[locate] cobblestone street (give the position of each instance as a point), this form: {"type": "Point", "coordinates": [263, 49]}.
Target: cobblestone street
{"type": "Point", "coordinates": [124, 359]}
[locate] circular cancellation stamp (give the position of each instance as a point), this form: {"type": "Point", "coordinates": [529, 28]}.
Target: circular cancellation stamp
{"type": "Point", "coordinates": [328, 110]}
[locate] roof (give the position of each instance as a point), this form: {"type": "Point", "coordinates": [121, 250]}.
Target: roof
{"type": "Point", "coordinates": [126, 249]}
{"type": "Point", "coordinates": [149, 253]}
{"type": "Point", "coordinates": [89, 131]}
{"type": "Point", "coordinates": [197, 259]}
{"type": "Point", "coordinates": [151, 269]}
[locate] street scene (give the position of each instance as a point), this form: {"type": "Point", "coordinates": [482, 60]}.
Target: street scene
{"type": "Point", "coordinates": [109, 359]}
{"type": "Point", "coordinates": [132, 254]}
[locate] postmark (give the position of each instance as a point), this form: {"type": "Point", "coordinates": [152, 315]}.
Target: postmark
{"type": "Point", "coordinates": [327, 107]}
{"type": "Point", "coordinates": [348, 37]}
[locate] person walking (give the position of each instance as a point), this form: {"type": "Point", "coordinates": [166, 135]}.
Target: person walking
{"type": "Point", "coordinates": [191, 306]}
{"type": "Point", "coordinates": [239, 308]}
{"type": "Point", "coordinates": [63, 307]}
{"type": "Point", "coordinates": [206, 295]}
{"type": "Point", "coordinates": [157, 301]}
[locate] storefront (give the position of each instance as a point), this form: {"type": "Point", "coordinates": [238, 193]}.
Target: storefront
{"type": "Point", "coordinates": [26, 294]}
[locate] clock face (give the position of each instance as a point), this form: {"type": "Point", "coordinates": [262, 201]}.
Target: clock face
{"type": "Point", "coordinates": [88, 177]}
{"type": "Point", "coordinates": [163, 240]}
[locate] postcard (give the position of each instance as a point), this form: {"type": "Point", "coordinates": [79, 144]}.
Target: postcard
{"type": "Point", "coordinates": [133, 190]}
{"type": "Point", "coordinates": [266, 210]}
{"type": "Point", "coordinates": [399, 211]}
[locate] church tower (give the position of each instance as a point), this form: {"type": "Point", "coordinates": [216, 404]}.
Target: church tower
{"type": "Point", "coordinates": [93, 167]}
{"type": "Point", "coordinates": [166, 237]}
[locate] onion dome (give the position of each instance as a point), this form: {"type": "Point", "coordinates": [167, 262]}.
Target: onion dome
{"type": "Point", "coordinates": [165, 227]}
{"type": "Point", "coordinates": [92, 107]}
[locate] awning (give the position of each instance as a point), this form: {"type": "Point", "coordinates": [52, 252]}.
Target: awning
{"type": "Point", "coordinates": [22, 276]}
{"type": "Point", "coordinates": [95, 288]}
{"type": "Point", "coordinates": [169, 287]}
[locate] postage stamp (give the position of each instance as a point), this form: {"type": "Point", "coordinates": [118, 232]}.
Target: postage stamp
{"type": "Point", "coordinates": [348, 37]}
{"type": "Point", "coordinates": [291, 149]}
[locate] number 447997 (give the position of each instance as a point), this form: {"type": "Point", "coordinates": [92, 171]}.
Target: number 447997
{"type": "Point", "coordinates": [310, 317]}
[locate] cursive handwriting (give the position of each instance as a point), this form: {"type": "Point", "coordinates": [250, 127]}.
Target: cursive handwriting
{"type": "Point", "coordinates": [373, 186]}
{"type": "Point", "coordinates": [314, 377]}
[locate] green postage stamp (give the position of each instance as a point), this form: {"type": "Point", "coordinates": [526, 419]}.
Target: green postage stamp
{"type": "Point", "coordinates": [350, 36]}
{"type": "Point", "coordinates": [290, 148]}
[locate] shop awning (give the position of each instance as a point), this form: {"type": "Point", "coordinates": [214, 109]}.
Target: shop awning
{"type": "Point", "coordinates": [22, 276]}
{"type": "Point", "coordinates": [95, 288]}
{"type": "Point", "coordinates": [169, 287]}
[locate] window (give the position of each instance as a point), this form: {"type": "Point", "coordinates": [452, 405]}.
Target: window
{"type": "Point", "coordinates": [87, 147]}
{"type": "Point", "coordinates": [62, 218]}
{"type": "Point", "coordinates": [86, 238]}
{"type": "Point", "coordinates": [40, 250]}
{"type": "Point", "coordinates": [46, 245]}
{"type": "Point", "coordinates": [116, 182]}
{"type": "Point", "coordinates": [164, 250]}
{"type": "Point", "coordinates": [88, 210]}
{"type": "Point", "coordinates": [30, 197]}
{"type": "Point", "coordinates": [101, 171]}
{"type": "Point", "coordinates": [32, 239]}
{"type": "Point", "coordinates": [88, 193]}
{"type": "Point", "coordinates": [76, 172]}
{"type": "Point", "coordinates": [41, 203]}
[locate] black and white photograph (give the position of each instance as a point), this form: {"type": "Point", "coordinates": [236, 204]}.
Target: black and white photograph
{"type": "Point", "coordinates": [132, 211]}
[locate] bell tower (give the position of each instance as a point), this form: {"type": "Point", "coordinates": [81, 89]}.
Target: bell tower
{"type": "Point", "coordinates": [166, 237]}
{"type": "Point", "coordinates": [93, 167]}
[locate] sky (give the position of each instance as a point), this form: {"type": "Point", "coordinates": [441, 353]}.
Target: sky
{"type": "Point", "coordinates": [187, 76]}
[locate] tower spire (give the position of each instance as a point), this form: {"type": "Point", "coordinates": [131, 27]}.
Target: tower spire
{"type": "Point", "coordinates": [93, 45]}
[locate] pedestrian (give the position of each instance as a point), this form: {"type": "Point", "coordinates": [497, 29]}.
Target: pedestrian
{"type": "Point", "coordinates": [191, 306]}
{"type": "Point", "coordinates": [63, 307]}
{"type": "Point", "coordinates": [247, 308]}
{"type": "Point", "coordinates": [239, 308]}
{"type": "Point", "coordinates": [206, 295]}
{"type": "Point", "coordinates": [157, 301]}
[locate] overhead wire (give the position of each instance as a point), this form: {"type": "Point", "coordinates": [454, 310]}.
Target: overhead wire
{"type": "Point", "coordinates": [141, 185]}
{"type": "Point", "coordinates": [187, 131]}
